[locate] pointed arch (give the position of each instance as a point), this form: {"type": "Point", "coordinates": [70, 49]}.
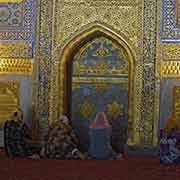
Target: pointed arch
{"type": "Point", "coordinates": [92, 31]}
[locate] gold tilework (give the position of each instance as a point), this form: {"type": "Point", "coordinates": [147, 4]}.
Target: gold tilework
{"type": "Point", "coordinates": [16, 66]}
{"type": "Point", "coordinates": [11, 1]}
{"type": "Point", "coordinates": [127, 22]}
{"type": "Point", "coordinates": [170, 69]}
{"type": "Point", "coordinates": [15, 50]}
{"type": "Point", "coordinates": [176, 102]}
{"type": "Point", "coordinates": [9, 99]}
{"type": "Point", "coordinates": [170, 51]}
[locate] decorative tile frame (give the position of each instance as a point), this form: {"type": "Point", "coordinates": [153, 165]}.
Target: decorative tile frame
{"type": "Point", "coordinates": [170, 29]}
{"type": "Point", "coordinates": [25, 32]}
{"type": "Point", "coordinates": [18, 42]}
{"type": "Point", "coordinates": [148, 104]}
{"type": "Point", "coordinates": [12, 14]}
{"type": "Point", "coordinates": [8, 89]}
{"type": "Point", "coordinates": [55, 31]}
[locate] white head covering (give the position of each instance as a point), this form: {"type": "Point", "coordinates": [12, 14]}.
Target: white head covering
{"type": "Point", "coordinates": [64, 119]}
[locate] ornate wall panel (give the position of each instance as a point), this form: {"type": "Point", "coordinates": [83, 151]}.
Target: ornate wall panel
{"type": "Point", "coordinates": [100, 83]}
{"type": "Point", "coordinates": [16, 66]}
{"type": "Point", "coordinates": [176, 103]}
{"type": "Point", "coordinates": [176, 98]}
{"type": "Point", "coordinates": [169, 56]}
{"type": "Point", "coordinates": [27, 30]}
{"type": "Point", "coordinates": [170, 51]}
{"type": "Point", "coordinates": [17, 41]}
{"type": "Point", "coordinates": [56, 31]}
{"type": "Point", "coordinates": [11, 14]}
{"type": "Point", "coordinates": [9, 99]}
{"type": "Point", "coordinates": [177, 12]}
{"type": "Point", "coordinates": [25, 93]}
{"type": "Point", "coordinates": [170, 69]}
{"type": "Point", "coordinates": [149, 76]}
{"type": "Point", "coordinates": [170, 29]}
{"type": "Point", "coordinates": [167, 104]}
{"type": "Point", "coordinates": [15, 50]}
{"type": "Point", "coordinates": [43, 66]}
{"type": "Point", "coordinates": [126, 21]}
{"type": "Point", "coordinates": [17, 31]}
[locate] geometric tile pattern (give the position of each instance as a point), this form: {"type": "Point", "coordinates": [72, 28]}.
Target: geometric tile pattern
{"type": "Point", "coordinates": [15, 49]}
{"type": "Point", "coordinates": [170, 69]}
{"type": "Point", "coordinates": [149, 80]}
{"type": "Point", "coordinates": [170, 51]}
{"type": "Point", "coordinates": [9, 99]}
{"type": "Point", "coordinates": [16, 66]}
{"type": "Point", "coordinates": [176, 101]}
{"type": "Point", "coordinates": [170, 30]}
{"type": "Point", "coordinates": [99, 59]}
{"type": "Point", "coordinates": [44, 65]}
{"type": "Point", "coordinates": [18, 22]}
{"type": "Point", "coordinates": [178, 12]}
{"type": "Point", "coordinates": [17, 35]}
{"type": "Point", "coordinates": [11, 14]}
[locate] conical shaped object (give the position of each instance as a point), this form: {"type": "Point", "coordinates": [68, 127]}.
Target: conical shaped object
{"type": "Point", "coordinates": [100, 138]}
{"type": "Point", "coordinates": [100, 121]}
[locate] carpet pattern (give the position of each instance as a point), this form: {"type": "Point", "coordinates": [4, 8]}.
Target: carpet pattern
{"type": "Point", "coordinates": [130, 168]}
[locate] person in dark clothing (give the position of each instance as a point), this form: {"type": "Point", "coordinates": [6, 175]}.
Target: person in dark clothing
{"type": "Point", "coordinates": [17, 137]}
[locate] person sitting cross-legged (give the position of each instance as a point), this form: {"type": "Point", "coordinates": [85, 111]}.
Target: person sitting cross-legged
{"type": "Point", "coordinates": [61, 142]}
{"type": "Point", "coordinates": [17, 137]}
{"type": "Point", "coordinates": [169, 154]}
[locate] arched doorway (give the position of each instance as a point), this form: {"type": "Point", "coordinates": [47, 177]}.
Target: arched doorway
{"type": "Point", "coordinates": [97, 75]}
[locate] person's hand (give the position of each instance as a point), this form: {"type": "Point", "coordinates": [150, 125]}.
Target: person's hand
{"type": "Point", "coordinates": [34, 156]}
{"type": "Point", "coordinates": [82, 156]}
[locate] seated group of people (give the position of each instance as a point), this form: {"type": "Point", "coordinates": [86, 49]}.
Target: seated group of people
{"type": "Point", "coordinates": [169, 143]}
{"type": "Point", "coordinates": [60, 143]}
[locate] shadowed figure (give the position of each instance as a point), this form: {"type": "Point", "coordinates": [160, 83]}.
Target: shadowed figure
{"type": "Point", "coordinates": [17, 137]}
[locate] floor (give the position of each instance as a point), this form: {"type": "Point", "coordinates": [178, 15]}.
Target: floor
{"type": "Point", "coordinates": [130, 168]}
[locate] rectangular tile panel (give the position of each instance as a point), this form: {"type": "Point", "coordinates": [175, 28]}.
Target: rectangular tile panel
{"type": "Point", "coordinates": [11, 14]}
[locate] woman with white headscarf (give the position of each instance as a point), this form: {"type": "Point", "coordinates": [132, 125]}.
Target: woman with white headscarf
{"type": "Point", "coordinates": [62, 142]}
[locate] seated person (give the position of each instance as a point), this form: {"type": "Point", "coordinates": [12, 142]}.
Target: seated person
{"type": "Point", "coordinates": [61, 142]}
{"type": "Point", "coordinates": [172, 123]}
{"type": "Point", "coordinates": [164, 148]}
{"type": "Point", "coordinates": [173, 151]}
{"type": "Point", "coordinates": [169, 154]}
{"type": "Point", "coordinates": [64, 123]}
{"type": "Point", "coordinates": [17, 137]}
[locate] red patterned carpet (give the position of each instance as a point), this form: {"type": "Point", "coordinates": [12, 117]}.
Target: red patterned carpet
{"type": "Point", "coordinates": [131, 168]}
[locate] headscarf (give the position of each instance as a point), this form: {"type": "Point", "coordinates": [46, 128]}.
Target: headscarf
{"type": "Point", "coordinates": [100, 121]}
{"type": "Point", "coordinates": [172, 123]}
{"type": "Point", "coordinates": [17, 115]}
{"type": "Point", "coordinates": [64, 119]}
{"type": "Point", "coordinates": [65, 123]}
{"type": "Point", "coordinates": [61, 125]}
